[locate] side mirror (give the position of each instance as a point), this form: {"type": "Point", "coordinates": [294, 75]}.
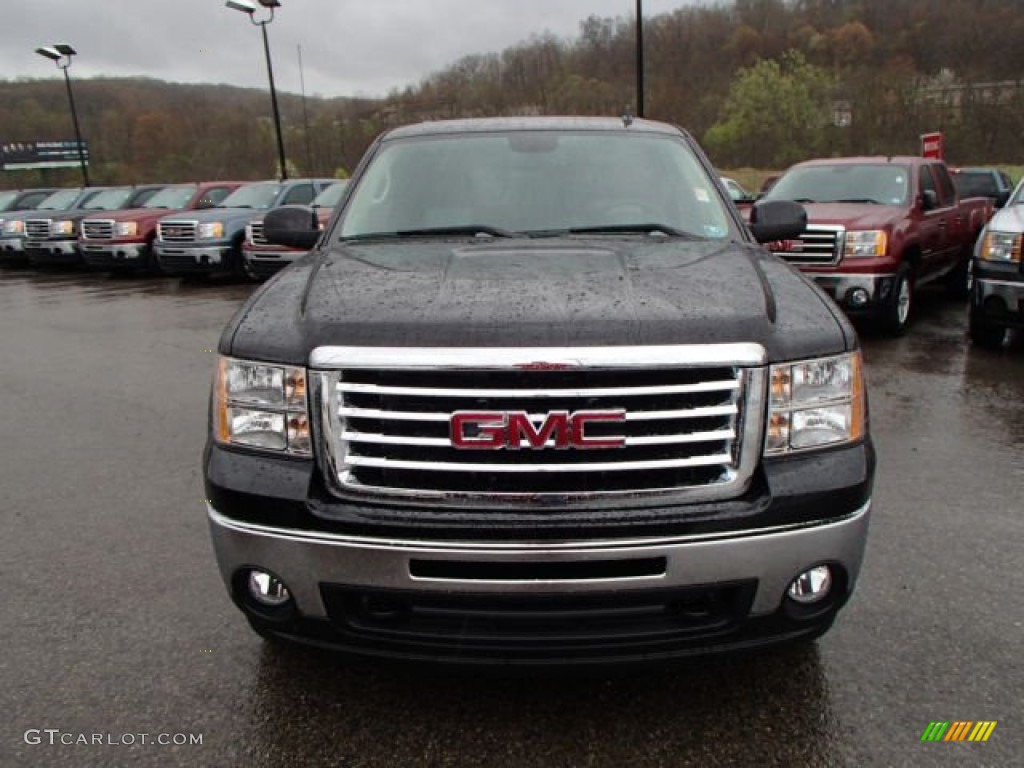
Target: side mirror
{"type": "Point", "coordinates": [772, 220]}
{"type": "Point", "coordinates": [294, 226]}
{"type": "Point", "coordinates": [929, 200]}
{"type": "Point", "coordinates": [1003, 198]}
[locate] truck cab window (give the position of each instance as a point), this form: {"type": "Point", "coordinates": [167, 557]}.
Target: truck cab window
{"type": "Point", "coordinates": [302, 194]}
{"type": "Point", "coordinates": [947, 193]}
{"type": "Point", "coordinates": [928, 183]}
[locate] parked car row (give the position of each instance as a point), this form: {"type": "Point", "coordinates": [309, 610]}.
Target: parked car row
{"type": "Point", "coordinates": [878, 229]}
{"type": "Point", "coordinates": [173, 229]}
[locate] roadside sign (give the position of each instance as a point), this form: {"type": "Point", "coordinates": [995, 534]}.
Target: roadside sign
{"type": "Point", "coordinates": [931, 146]}
{"type": "Point", "coordinates": [30, 155]}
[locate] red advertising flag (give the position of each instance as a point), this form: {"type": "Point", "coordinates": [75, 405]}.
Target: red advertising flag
{"type": "Point", "coordinates": [931, 146]}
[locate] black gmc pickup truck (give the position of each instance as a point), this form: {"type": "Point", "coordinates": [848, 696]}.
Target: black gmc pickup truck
{"type": "Point", "coordinates": [537, 395]}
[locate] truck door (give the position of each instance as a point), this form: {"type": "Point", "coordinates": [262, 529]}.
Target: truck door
{"type": "Point", "coordinates": [932, 225]}
{"type": "Point", "coordinates": [953, 224]}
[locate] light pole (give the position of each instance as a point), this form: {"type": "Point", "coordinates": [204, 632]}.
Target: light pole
{"type": "Point", "coordinates": [247, 6]}
{"type": "Point", "coordinates": [639, 58]}
{"type": "Point", "coordinates": [60, 54]}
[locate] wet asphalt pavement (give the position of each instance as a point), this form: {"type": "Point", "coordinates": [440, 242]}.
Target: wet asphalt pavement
{"type": "Point", "coordinates": [114, 620]}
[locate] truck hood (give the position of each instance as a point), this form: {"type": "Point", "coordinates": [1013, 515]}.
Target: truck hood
{"type": "Point", "coordinates": [148, 215]}
{"type": "Point", "coordinates": [855, 215]}
{"type": "Point", "coordinates": [74, 214]}
{"type": "Point", "coordinates": [551, 292]}
{"type": "Point", "coordinates": [234, 215]}
{"type": "Point", "coordinates": [1008, 219]}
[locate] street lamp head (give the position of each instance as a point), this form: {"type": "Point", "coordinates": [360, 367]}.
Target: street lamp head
{"type": "Point", "coordinates": [65, 49]}
{"type": "Point", "coordinates": [270, 3]}
{"type": "Point", "coordinates": [245, 6]}
{"type": "Point", "coordinates": [50, 53]}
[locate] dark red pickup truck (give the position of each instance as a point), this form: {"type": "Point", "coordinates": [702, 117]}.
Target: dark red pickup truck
{"type": "Point", "coordinates": [878, 228]}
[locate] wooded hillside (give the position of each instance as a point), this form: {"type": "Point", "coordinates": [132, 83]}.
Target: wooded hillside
{"type": "Point", "coordinates": [761, 82]}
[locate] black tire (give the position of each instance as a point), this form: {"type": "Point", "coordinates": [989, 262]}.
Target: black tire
{"type": "Point", "coordinates": [895, 314]}
{"type": "Point", "coordinates": [984, 333]}
{"type": "Point", "coordinates": [238, 269]}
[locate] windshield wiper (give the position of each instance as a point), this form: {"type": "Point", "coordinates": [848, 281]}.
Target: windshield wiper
{"type": "Point", "coordinates": [857, 200]}
{"type": "Point", "coordinates": [461, 230]}
{"type": "Point", "coordinates": [648, 229]}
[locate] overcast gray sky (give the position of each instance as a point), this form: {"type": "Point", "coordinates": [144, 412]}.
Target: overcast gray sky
{"type": "Point", "coordinates": [349, 47]}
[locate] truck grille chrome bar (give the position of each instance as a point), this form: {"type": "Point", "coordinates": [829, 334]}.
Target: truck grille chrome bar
{"type": "Point", "coordinates": [37, 229]}
{"type": "Point", "coordinates": [177, 231]}
{"type": "Point", "coordinates": [820, 244]}
{"type": "Point", "coordinates": [256, 233]}
{"type": "Point", "coordinates": [98, 229]}
{"type": "Point", "coordinates": [680, 425]}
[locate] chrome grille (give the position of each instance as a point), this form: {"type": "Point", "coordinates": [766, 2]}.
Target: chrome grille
{"type": "Point", "coordinates": [37, 229]}
{"type": "Point", "coordinates": [98, 229]}
{"type": "Point", "coordinates": [818, 244]}
{"type": "Point", "coordinates": [256, 234]}
{"type": "Point", "coordinates": [385, 422]}
{"type": "Point", "coordinates": [177, 231]}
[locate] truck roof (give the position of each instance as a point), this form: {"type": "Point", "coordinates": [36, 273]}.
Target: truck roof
{"type": "Point", "coordinates": [868, 160]}
{"type": "Point", "coordinates": [487, 124]}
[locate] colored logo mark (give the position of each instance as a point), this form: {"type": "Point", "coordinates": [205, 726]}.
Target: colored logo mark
{"type": "Point", "coordinates": [959, 730]}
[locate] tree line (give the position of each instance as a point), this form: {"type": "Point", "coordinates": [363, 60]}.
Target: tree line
{"type": "Point", "coordinates": [761, 82]}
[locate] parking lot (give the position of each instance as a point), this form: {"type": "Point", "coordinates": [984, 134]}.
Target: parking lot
{"type": "Point", "coordinates": [116, 621]}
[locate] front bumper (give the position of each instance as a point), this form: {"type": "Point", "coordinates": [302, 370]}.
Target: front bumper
{"type": "Point", "coordinates": [860, 295]}
{"type": "Point", "coordinates": [174, 259]}
{"type": "Point", "coordinates": [269, 263]}
{"type": "Point", "coordinates": [113, 255]}
{"type": "Point", "coordinates": [714, 579]}
{"type": "Point", "coordinates": [12, 249]}
{"type": "Point", "coordinates": [53, 252]}
{"type": "Point", "coordinates": [999, 299]}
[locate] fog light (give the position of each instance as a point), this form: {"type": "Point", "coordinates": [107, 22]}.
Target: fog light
{"type": "Point", "coordinates": [811, 586]}
{"type": "Point", "coordinates": [266, 589]}
{"type": "Point", "coordinates": [857, 297]}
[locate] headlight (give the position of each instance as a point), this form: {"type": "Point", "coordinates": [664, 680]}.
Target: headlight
{"type": "Point", "coordinates": [248, 234]}
{"type": "Point", "coordinates": [869, 242]}
{"type": "Point", "coordinates": [15, 227]}
{"type": "Point", "coordinates": [62, 227]}
{"type": "Point", "coordinates": [211, 229]}
{"type": "Point", "coordinates": [126, 228]}
{"type": "Point", "coordinates": [261, 406]}
{"type": "Point", "coordinates": [815, 404]}
{"type": "Point", "coordinates": [1001, 246]}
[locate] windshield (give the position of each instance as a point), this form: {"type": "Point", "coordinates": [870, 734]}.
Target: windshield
{"type": "Point", "coordinates": [60, 200]}
{"type": "Point", "coordinates": [331, 196]}
{"type": "Point", "coordinates": [536, 183]}
{"type": "Point", "coordinates": [876, 183]}
{"type": "Point", "coordinates": [7, 200]}
{"type": "Point", "coordinates": [108, 200]}
{"type": "Point", "coordinates": [976, 184]}
{"type": "Point", "coordinates": [252, 196]}
{"type": "Point", "coordinates": [172, 198]}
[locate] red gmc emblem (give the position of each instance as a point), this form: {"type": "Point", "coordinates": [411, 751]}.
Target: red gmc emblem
{"type": "Point", "coordinates": [512, 430]}
{"type": "Point", "coordinates": [788, 246]}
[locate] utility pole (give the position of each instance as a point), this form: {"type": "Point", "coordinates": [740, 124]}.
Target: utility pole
{"type": "Point", "coordinates": [639, 58]}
